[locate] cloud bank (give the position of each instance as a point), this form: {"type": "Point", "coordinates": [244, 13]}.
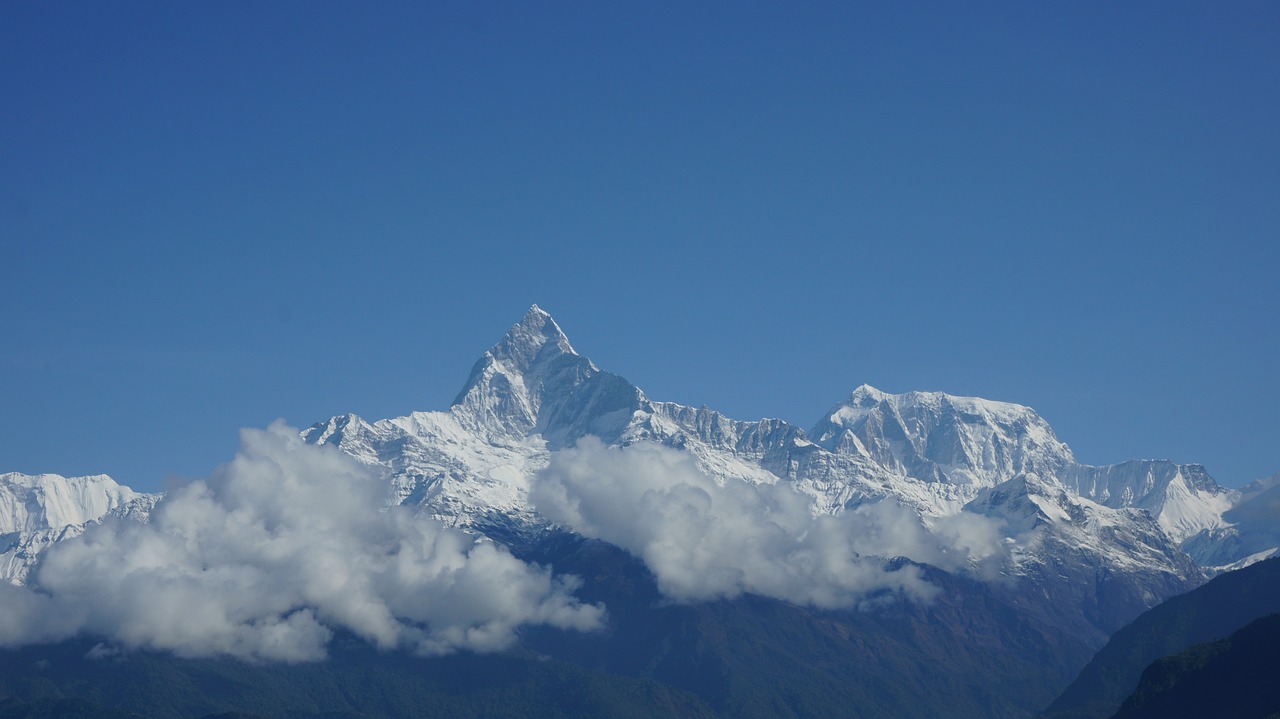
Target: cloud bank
{"type": "Point", "coordinates": [271, 554]}
{"type": "Point", "coordinates": [703, 540]}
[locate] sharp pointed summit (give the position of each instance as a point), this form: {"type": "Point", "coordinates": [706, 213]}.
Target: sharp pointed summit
{"type": "Point", "coordinates": [527, 339]}
{"type": "Point", "coordinates": [865, 394]}
{"type": "Point", "coordinates": [533, 380]}
{"type": "Point", "coordinates": [534, 340]}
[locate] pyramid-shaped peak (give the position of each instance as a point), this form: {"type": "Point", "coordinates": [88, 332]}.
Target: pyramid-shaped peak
{"type": "Point", "coordinates": [527, 338]}
{"type": "Point", "coordinates": [532, 381]}
{"type": "Point", "coordinates": [535, 340]}
{"type": "Point", "coordinates": [866, 393]}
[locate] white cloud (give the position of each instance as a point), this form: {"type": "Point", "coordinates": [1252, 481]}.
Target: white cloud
{"type": "Point", "coordinates": [705, 540]}
{"type": "Point", "coordinates": [268, 556]}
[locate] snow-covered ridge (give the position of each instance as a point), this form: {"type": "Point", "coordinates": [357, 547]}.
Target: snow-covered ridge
{"type": "Point", "coordinates": [973, 443]}
{"type": "Point", "coordinates": [940, 437]}
{"type": "Point", "coordinates": [31, 503]}
{"type": "Point", "coordinates": [39, 510]}
{"type": "Point", "coordinates": [1183, 497]}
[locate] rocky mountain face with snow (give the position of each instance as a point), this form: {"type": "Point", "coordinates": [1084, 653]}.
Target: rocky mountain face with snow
{"type": "Point", "coordinates": [1114, 540]}
{"type": "Point", "coordinates": [39, 510]}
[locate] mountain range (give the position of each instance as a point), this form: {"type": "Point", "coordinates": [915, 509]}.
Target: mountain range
{"type": "Point", "coordinates": [972, 514]}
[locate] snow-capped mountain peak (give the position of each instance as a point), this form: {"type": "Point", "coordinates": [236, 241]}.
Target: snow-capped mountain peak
{"type": "Point", "coordinates": [51, 501]}
{"type": "Point", "coordinates": [535, 340]}
{"type": "Point", "coordinates": [533, 382]}
{"type": "Point", "coordinates": [940, 437]}
{"type": "Point", "coordinates": [38, 510]}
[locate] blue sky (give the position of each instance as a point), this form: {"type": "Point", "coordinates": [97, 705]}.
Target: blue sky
{"type": "Point", "coordinates": [216, 214]}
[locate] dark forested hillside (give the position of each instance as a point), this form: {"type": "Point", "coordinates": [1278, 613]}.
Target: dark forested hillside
{"type": "Point", "coordinates": [357, 682]}
{"type": "Point", "coordinates": [1206, 614]}
{"type": "Point", "coordinates": [972, 652]}
{"type": "Point", "coordinates": [1234, 677]}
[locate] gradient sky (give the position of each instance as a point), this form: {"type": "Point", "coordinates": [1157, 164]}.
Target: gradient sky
{"type": "Point", "coordinates": [216, 214]}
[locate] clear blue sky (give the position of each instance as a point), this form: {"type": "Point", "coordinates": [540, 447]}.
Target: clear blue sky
{"type": "Point", "coordinates": [216, 214]}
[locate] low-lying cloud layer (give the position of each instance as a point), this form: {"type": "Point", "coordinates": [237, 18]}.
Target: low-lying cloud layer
{"type": "Point", "coordinates": [704, 540]}
{"type": "Point", "coordinates": [271, 554]}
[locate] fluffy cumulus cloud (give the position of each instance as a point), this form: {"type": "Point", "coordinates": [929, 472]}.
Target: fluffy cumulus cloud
{"type": "Point", "coordinates": [703, 539]}
{"type": "Point", "coordinates": [271, 554]}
